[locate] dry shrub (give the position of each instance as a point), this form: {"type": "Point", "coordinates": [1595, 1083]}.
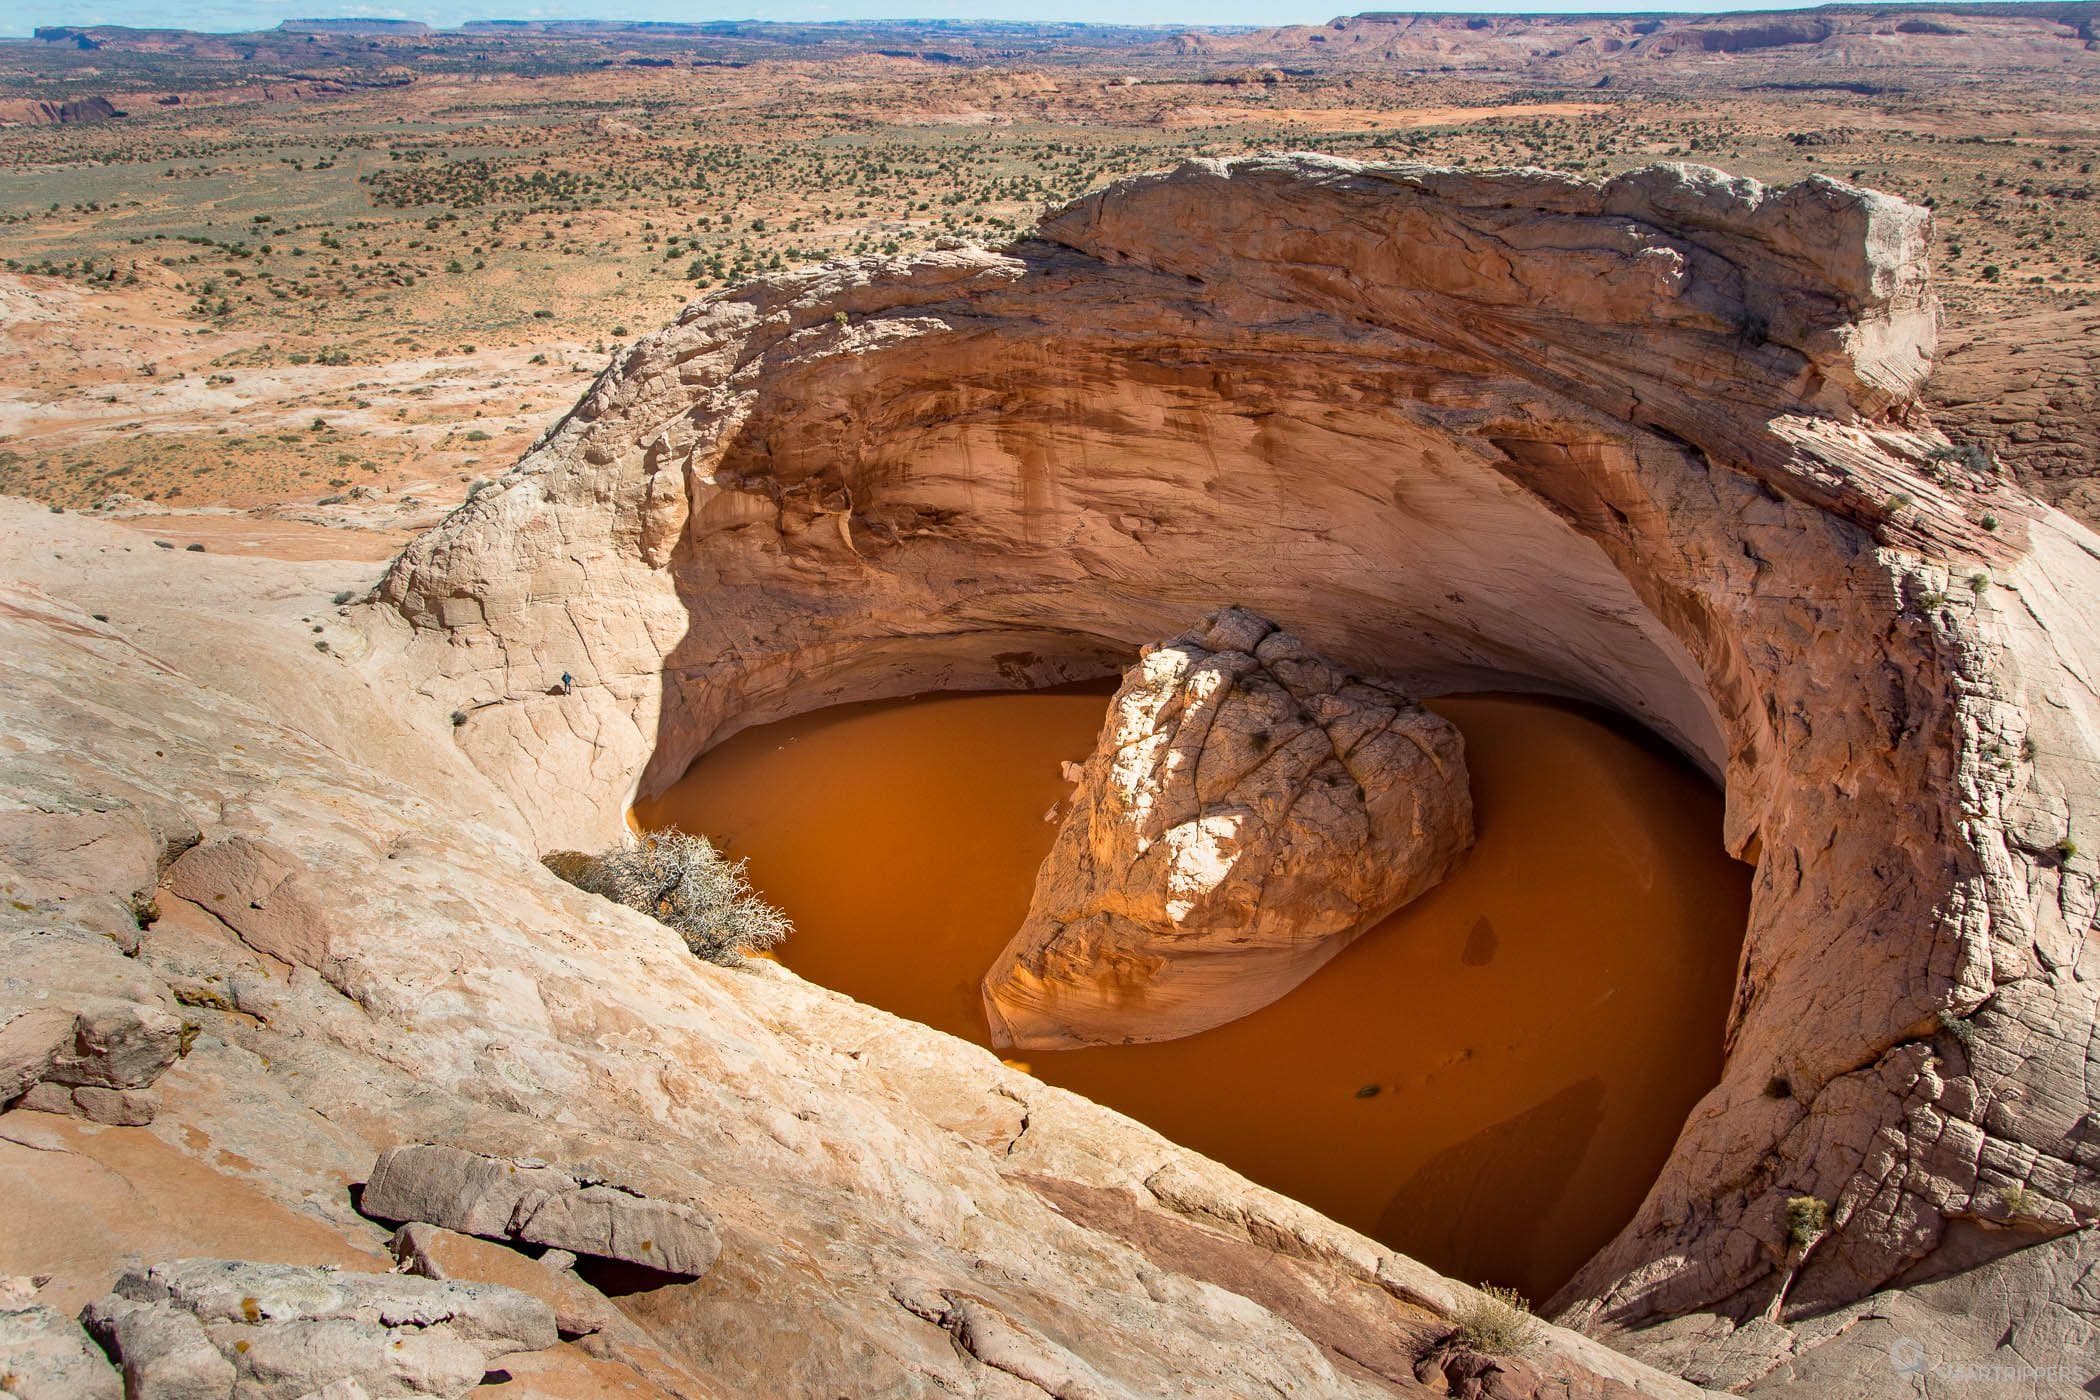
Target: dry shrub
{"type": "Point", "coordinates": [685, 883]}
{"type": "Point", "coordinates": [1496, 1321]}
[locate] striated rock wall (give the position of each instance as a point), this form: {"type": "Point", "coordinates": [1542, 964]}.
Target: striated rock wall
{"type": "Point", "coordinates": [1247, 812]}
{"type": "Point", "coordinates": [1654, 443]}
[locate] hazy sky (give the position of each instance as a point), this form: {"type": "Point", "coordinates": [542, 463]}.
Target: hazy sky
{"type": "Point", "coordinates": [23, 15]}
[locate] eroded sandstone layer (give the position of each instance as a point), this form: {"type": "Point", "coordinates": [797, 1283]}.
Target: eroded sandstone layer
{"type": "Point", "coordinates": [1653, 442]}
{"type": "Point", "coordinates": [1248, 811]}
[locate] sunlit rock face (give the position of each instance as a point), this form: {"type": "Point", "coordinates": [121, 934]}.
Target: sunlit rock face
{"type": "Point", "coordinates": [1654, 443]}
{"type": "Point", "coordinates": [1248, 811]}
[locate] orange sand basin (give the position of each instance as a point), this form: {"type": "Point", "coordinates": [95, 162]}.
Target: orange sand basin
{"type": "Point", "coordinates": [1488, 1081]}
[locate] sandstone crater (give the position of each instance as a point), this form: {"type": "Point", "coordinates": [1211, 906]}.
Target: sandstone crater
{"type": "Point", "coordinates": [1653, 443]}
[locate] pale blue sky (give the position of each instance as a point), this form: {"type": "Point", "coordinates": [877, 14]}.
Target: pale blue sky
{"type": "Point", "coordinates": [225, 15]}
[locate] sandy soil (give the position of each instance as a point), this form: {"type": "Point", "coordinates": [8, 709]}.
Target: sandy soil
{"type": "Point", "coordinates": [334, 306]}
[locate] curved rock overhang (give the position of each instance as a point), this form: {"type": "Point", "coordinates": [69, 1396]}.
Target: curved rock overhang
{"type": "Point", "coordinates": [1651, 443]}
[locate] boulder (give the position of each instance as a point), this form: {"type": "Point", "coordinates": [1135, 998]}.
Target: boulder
{"type": "Point", "coordinates": [609, 1223]}
{"type": "Point", "coordinates": [460, 1190]}
{"type": "Point", "coordinates": [508, 1199]}
{"type": "Point", "coordinates": [1248, 811]}
{"type": "Point", "coordinates": [94, 1056]}
{"type": "Point", "coordinates": [118, 1045]}
{"type": "Point", "coordinates": [163, 1351]}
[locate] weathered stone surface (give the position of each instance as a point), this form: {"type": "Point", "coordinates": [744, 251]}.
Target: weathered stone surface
{"type": "Point", "coordinates": [30, 1044]}
{"type": "Point", "coordinates": [434, 1252]}
{"type": "Point", "coordinates": [2027, 387]}
{"type": "Point", "coordinates": [45, 1356]}
{"type": "Point", "coordinates": [120, 1108]}
{"type": "Point", "coordinates": [466, 1191]}
{"type": "Point", "coordinates": [164, 1352]}
{"type": "Point", "coordinates": [260, 891]}
{"type": "Point", "coordinates": [129, 1108]}
{"type": "Point", "coordinates": [1248, 811]}
{"type": "Point", "coordinates": [78, 865]}
{"type": "Point", "coordinates": [118, 1045]}
{"type": "Point", "coordinates": [199, 1328]}
{"type": "Point", "coordinates": [110, 1049]}
{"type": "Point", "coordinates": [501, 1198]}
{"type": "Point", "coordinates": [581, 1312]}
{"type": "Point", "coordinates": [608, 1223]}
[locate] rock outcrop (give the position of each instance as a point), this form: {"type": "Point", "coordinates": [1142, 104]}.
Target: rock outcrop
{"type": "Point", "coordinates": [1655, 443]}
{"type": "Point", "coordinates": [72, 1041]}
{"type": "Point", "coordinates": [1248, 811]}
{"type": "Point", "coordinates": [197, 1329]}
{"type": "Point", "coordinates": [502, 1198]}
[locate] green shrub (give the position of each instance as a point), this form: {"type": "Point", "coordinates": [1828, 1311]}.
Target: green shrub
{"type": "Point", "coordinates": [1496, 1321]}
{"type": "Point", "coordinates": [684, 883]}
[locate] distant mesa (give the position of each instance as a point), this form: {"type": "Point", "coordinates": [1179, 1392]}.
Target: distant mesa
{"type": "Point", "coordinates": [355, 25]}
{"type": "Point", "coordinates": [72, 111]}
{"type": "Point", "coordinates": [62, 34]}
